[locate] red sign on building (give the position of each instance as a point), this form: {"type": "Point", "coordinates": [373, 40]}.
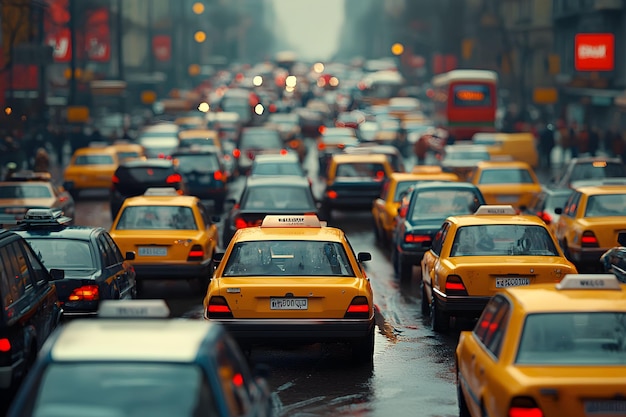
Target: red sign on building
{"type": "Point", "coordinates": [594, 52]}
{"type": "Point", "coordinates": [162, 47]}
{"type": "Point", "coordinates": [97, 35]}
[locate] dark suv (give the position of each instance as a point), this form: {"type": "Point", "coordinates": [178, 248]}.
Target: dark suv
{"type": "Point", "coordinates": [132, 178]}
{"type": "Point", "coordinates": [29, 308]}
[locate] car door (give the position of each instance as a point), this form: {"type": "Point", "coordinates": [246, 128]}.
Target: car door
{"type": "Point", "coordinates": [113, 265]}
{"type": "Point", "coordinates": [431, 258]}
{"type": "Point", "coordinates": [567, 219]}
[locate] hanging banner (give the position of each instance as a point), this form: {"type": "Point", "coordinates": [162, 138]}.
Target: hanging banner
{"type": "Point", "coordinates": [162, 47]}
{"type": "Point", "coordinates": [594, 52]}
{"type": "Point", "coordinates": [98, 35]}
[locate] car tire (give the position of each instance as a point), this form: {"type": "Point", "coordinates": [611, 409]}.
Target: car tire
{"type": "Point", "coordinates": [463, 409]}
{"type": "Point", "coordinates": [363, 349]}
{"type": "Point", "coordinates": [439, 320]}
{"type": "Point", "coordinates": [425, 305]}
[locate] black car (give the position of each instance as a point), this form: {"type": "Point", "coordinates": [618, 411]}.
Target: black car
{"type": "Point", "coordinates": [94, 268]}
{"type": "Point", "coordinates": [132, 178]}
{"type": "Point", "coordinates": [423, 212]}
{"type": "Point", "coordinates": [255, 141]}
{"type": "Point", "coordinates": [203, 174]}
{"type": "Point", "coordinates": [613, 261]}
{"type": "Point", "coordinates": [29, 309]}
{"type": "Point", "coordinates": [268, 195]}
{"type": "Point", "coordinates": [546, 202]}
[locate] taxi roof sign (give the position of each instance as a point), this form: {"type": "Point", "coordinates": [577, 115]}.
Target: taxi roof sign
{"type": "Point", "coordinates": [495, 209]}
{"type": "Point", "coordinates": [161, 191]}
{"type": "Point", "coordinates": [133, 309]}
{"type": "Point", "coordinates": [304, 220]}
{"type": "Point", "coordinates": [589, 282]}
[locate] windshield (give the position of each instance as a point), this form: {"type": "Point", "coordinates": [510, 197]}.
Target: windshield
{"type": "Point", "coordinates": [25, 191]}
{"type": "Point", "coordinates": [200, 163]}
{"type": "Point", "coordinates": [63, 253]}
{"type": "Point", "coordinates": [291, 257]}
{"type": "Point", "coordinates": [157, 218]}
{"type": "Point", "coordinates": [122, 389]}
{"type": "Point", "coordinates": [288, 198]}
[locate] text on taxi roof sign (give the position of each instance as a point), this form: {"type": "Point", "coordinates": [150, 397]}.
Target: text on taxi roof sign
{"type": "Point", "coordinates": [306, 220]}
{"type": "Point", "coordinates": [495, 209]}
{"type": "Point", "coordinates": [589, 282]}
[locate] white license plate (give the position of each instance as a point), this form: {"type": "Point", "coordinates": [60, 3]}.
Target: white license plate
{"type": "Point", "coordinates": [152, 251]}
{"type": "Point", "coordinates": [289, 303]}
{"type": "Point", "coordinates": [605, 408]}
{"type": "Point", "coordinates": [511, 282]}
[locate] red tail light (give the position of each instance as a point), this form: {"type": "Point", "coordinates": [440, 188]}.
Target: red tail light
{"type": "Point", "coordinates": [331, 194]}
{"type": "Point", "coordinates": [250, 155]}
{"type": "Point", "coordinates": [380, 175]}
{"type": "Point", "coordinates": [547, 219]}
{"type": "Point", "coordinates": [283, 151]}
{"type": "Point", "coordinates": [5, 345]}
{"type": "Point", "coordinates": [218, 308]}
{"type": "Point", "coordinates": [341, 145]}
{"type": "Point", "coordinates": [115, 179]}
{"type": "Point", "coordinates": [196, 253]}
{"type": "Point", "coordinates": [218, 176]}
{"type": "Point", "coordinates": [455, 286]}
{"type": "Point", "coordinates": [410, 238]}
{"type": "Point", "coordinates": [524, 407]}
{"type": "Point", "coordinates": [293, 144]}
{"type": "Point", "coordinates": [358, 309]}
{"type": "Point", "coordinates": [321, 129]}
{"type": "Point", "coordinates": [589, 240]}
{"type": "Point", "coordinates": [240, 223]}
{"type": "Point", "coordinates": [85, 293]}
{"type": "Point", "coordinates": [273, 108]}
{"type": "Point", "coordinates": [173, 178]}
{"type": "Point", "coordinates": [236, 153]}
{"type": "Point", "coordinates": [321, 146]}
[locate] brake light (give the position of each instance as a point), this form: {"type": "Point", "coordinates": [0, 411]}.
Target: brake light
{"type": "Point", "coordinates": [63, 199]}
{"type": "Point", "coordinates": [85, 293]}
{"type": "Point", "coordinates": [5, 345]}
{"type": "Point", "coordinates": [321, 146]}
{"type": "Point", "coordinates": [115, 179]}
{"type": "Point", "coordinates": [589, 239]}
{"type": "Point", "coordinates": [341, 145]}
{"type": "Point", "coordinates": [293, 144]}
{"type": "Point", "coordinates": [173, 178]}
{"type": "Point", "coordinates": [217, 175]}
{"type": "Point", "coordinates": [196, 253]}
{"type": "Point", "coordinates": [236, 153]}
{"type": "Point", "coordinates": [455, 286]}
{"type": "Point", "coordinates": [331, 194]}
{"type": "Point", "coordinates": [240, 223]}
{"type": "Point", "coordinates": [273, 108]}
{"type": "Point", "coordinates": [524, 407]}
{"type": "Point", "coordinates": [218, 308]}
{"type": "Point", "coordinates": [358, 309]}
{"type": "Point", "coordinates": [410, 238]}
{"type": "Point", "coordinates": [380, 175]}
{"type": "Point", "coordinates": [321, 129]}
{"type": "Point", "coordinates": [283, 151]}
{"type": "Point", "coordinates": [237, 380]}
{"type": "Point", "coordinates": [547, 219]}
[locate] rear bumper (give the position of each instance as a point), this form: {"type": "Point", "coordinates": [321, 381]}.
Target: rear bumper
{"type": "Point", "coordinates": [586, 255]}
{"type": "Point", "coordinates": [303, 331]}
{"type": "Point", "coordinates": [467, 306]}
{"type": "Point", "coordinates": [351, 202]}
{"type": "Point", "coordinates": [172, 271]}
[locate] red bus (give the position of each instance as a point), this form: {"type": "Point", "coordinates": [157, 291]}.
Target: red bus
{"type": "Point", "coordinates": [465, 102]}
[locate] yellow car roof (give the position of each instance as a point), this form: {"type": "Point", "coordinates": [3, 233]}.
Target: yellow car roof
{"type": "Point", "coordinates": [570, 295]}
{"type": "Point", "coordinates": [95, 150]}
{"type": "Point", "coordinates": [372, 157]}
{"type": "Point", "coordinates": [503, 164]}
{"type": "Point", "coordinates": [290, 227]}
{"type": "Point", "coordinates": [435, 176]}
{"type": "Point", "coordinates": [602, 189]}
{"type": "Point", "coordinates": [161, 200]}
{"type": "Point", "coordinates": [197, 133]}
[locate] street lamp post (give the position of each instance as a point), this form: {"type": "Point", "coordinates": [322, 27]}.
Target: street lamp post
{"type": "Point", "coordinates": [73, 49]}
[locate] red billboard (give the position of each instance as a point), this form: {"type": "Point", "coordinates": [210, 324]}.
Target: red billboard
{"type": "Point", "coordinates": [98, 35]}
{"type": "Point", "coordinates": [594, 52]}
{"type": "Point", "coordinates": [162, 47]}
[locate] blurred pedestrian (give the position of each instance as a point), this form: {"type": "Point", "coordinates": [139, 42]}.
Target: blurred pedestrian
{"type": "Point", "coordinates": [546, 144]}
{"type": "Point", "coordinates": [42, 161]}
{"type": "Point", "coordinates": [583, 139]}
{"type": "Point", "coordinates": [594, 141]}
{"type": "Point", "coordinates": [573, 144]}
{"type": "Point", "coordinates": [607, 139]}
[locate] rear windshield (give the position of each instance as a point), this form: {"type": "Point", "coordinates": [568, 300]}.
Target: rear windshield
{"type": "Point", "coordinates": [361, 170]}
{"type": "Point", "coordinates": [157, 218]}
{"type": "Point", "coordinates": [66, 254]}
{"type": "Point", "coordinates": [574, 339]}
{"type": "Point", "coordinates": [261, 139]}
{"type": "Point", "coordinates": [298, 199]}
{"type": "Point", "coordinates": [597, 170]}
{"type": "Point", "coordinates": [439, 204]}
{"type": "Point", "coordinates": [503, 240]}
{"type": "Point", "coordinates": [188, 163]}
{"type": "Point", "coordinates": [143, 174]}
{"type": "Point", "coordinates": [25, 191]}
{"type": "Point", "coordinates": [606, 205]}
{"type": "Point", "coordinates": [293, 257]}
{"type": "Point", "coordinates": [121, 389]}
{"type": "Point", "coordinates": [94, 160]}
{"type": "Point", "coordinates": [505, 176]}
{"type": "Point", "coordinates": [277, 169]}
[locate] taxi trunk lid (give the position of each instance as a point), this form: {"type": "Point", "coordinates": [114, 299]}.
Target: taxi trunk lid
{"type": "Point", "coordinates": [605, 229]}
{"type": "Point", "coordinates": [299, 297]}
{"type": "Point", "coordinates": [158, 245]}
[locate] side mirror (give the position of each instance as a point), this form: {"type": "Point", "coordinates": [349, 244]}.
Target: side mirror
{"type": "Point", "coordinates": [364, 256]}
{"type": "Point", "coordinates": [621, 238]}
{"type": "Point", "coordinates": [558, 210]}
{"type": "Point", "coordinates": [130, 256]}
{"type": "Point", "coordinates": [217, 258]}
{"type": "Point", "coordinates": [57, 274]}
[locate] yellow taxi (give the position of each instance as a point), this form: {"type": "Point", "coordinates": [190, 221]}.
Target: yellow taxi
{"type": "Point", "coordinates": [518, 146]}
{"type": "Point", "coordinates": [547, 350]}
{"type": "Point", "coordinates": [199, 137]}
{"type": "Point", "coordinates": [128, 150]}
{"type": "Point", "coordinates": [590, 222]}
{"type": "Point", "coordinates": [385, 208]}
{"type": "Point", "coordinates": [90, 168]}
{"type": "Point", "coordinates": [190, 122]}
{"type": "Point", "coordinates": [506, 182]}
{"type": "Point", "coordinates": [173, 236]}
{"type": "Point", "coordinates": [294, 278]}
{"type": "Point", "coordinates": [475, 256]}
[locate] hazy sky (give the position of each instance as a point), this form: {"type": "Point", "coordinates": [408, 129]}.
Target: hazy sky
{"type": "Point", "coordinates": [312, 26]}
